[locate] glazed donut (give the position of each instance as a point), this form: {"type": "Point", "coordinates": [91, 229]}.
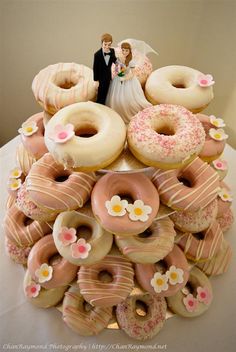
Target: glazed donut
{"type": "Point", "coordinates": [198, 221]}
{"type": "Point", "coordinates": [104, 128]}
{"type": "Point", "coordinates": [137, 326]}
{"type": "Point", "coordinates": [165, 136]}
{"type": "Point", "coordinates": [219, 264]}
{"type": "Point", "coordinates": [221, 167]}
{"type": "Point", "coordinates": [54, 189]}
{"type": "Point", "coordinates": [150, 246]}
{"type": "Point", "coordinates": [17, 254]}
{"type": "Point", "coordinates": [39, 296]}
{"type": "Point", "coordinates": [224, 199]}
{"type": "Point", "coordinates": [192, 304]}
{"type": "Point", "coordinates": [116, 215]}
{"type": "Point", "coordinates": [11, 199]}
{"type": "Point", "coordinates": [201, 249]}
{"type": "Point", "coordinates": [22, 231]}
{"type": "Point", "coordinates": [106, 294]}
{"type": "Point", "coordinates": [24, 159]}
{"type": "Point", "coordinates": [62, 84]}
{"type": "Point", "coordinates": [178, 85]}
{"type": "Point", "coordinates": [43, 271]}
{"type": "Point", "coordinates": [188, 189]}
{"type": "Point", "coordinates": [177, 273]}
{"type": "Point", "coordinates": [85, 322]}
{"type": "Point", "coordinates": [212, 148]}
{"type": "Point", "coordinates": [226, 220]}
{"type": "Point", "coordinates": [32, 136]}
{"type": "Point", "coordinates": [99, 244]}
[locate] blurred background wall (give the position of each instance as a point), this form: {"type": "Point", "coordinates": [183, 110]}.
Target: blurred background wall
{"type": "Point", "coordinates": [36, 33]}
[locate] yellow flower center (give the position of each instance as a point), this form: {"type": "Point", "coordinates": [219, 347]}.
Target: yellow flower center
{"type": "Point", "coordinates": [14, 184]}
{"type": "Point", "coordinates": [217, 136]}
{"type": "Point", "coordinates": [173, 276]}
{"type": "Point", "coordinates": [15, 173]}
{"type": "Point", "coordinates": [159, 282]}
{"type": "Point", "coordinates": [45, 273]}
{"type": "Point", "coordinates": [29, 129]}
{"type": "Point", "coordinates": [138, 211]}
{"type": "Point", "coordinates": [225, 195]}
{"type": "Point", "coordinates": [117, 208]}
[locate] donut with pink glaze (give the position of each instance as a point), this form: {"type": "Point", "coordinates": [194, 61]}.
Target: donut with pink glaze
{"type": "Point", "coordinates": [17, 254]}
{"type": "Point", "coordinates": [106, 294]}
{"type": "Point", "coordinates": [171, 281]}
{"type": "Point", "coordinates": [49, 275]}
{"type": "Point", "coordinates": [201, 249]}
{"type": "Point", "coordinates": [188, 189]}
{"type": "Point", "coordinates": [224, 199]}
{"type": "Point", "coordinates": [212, 148]}
{"type": "Point", "coordinates": [55, 189]}
{"type": "Point", "coordinates": [32, 135]}
{"type": "Point", "coordinates": [120, 216]}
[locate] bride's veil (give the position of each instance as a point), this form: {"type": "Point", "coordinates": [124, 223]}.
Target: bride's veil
{"type": "Point", "coordinates": [139, 45]}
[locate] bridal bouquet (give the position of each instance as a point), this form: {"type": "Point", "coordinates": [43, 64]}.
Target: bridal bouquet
{"type": "Point", "coordinates": [120, 69]}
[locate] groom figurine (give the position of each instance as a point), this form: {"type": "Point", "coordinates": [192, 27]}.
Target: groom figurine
{"type": "Point", "coordinates": [103, 59]}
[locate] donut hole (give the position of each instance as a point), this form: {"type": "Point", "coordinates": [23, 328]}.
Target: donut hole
{"type": "Point", "coordinates": [65, 80]}
{"type": "Point", "coordinates": [61, 178]}
{"type": "Point", "coordinates": [27, 221]}
{"type": "Point", "coordinates": [165, 130]}
{"type": "Point", "coordinates": [105, 276]}
{"type": "Point", "coordinates": [185, 181]}
{"type": "Point", "coordinates": [179, 83]}
{"type": "Point", "coordinates": [188, 289]}
{"type": "Point", "coordinates": [87, 307]}
{"type": "Point", "coordinates": [199, 235]}
{"type": "Point", "coordinates": [161, 266]}
{"type": "Point", "coordinates": [126, 196]}
{"type": "Point", "coordinates": [84, 231]}
{"type": "Point", "coordinates": [145, 234]}
{"type": "Point", "coordinates": [55, 259]}
{"type": "Point", "coordinates": [86, 131]}
{"type": "Point", "coordinates": [141, 308]}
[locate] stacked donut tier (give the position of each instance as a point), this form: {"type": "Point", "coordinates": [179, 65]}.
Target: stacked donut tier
{"type": "Point", "coordinates": [97, 241]}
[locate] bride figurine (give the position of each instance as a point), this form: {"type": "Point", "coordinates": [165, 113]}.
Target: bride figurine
{"type": "Point", "coordinates": [125, 94]}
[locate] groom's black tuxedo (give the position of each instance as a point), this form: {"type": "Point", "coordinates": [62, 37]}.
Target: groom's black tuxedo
{"type": "Point", "coordinates": [102, 73]}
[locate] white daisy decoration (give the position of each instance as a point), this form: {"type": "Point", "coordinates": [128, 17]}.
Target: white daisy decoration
{"type": "Point", "coordinates": [139, 211]}
{"type": "Point", "coordinates": [116, 206]}
{"type": "Point", "coordinates": [175, 275]}
{"type": "Point", "coordinates": [14, 184]}
{"type": "Point", "coordinates": [159, 282]}
{"type": "Point", "coordinates": [216, 121]}
{"type": "Point", "coordinates": [218, 134]}
{"type": "Point", "coordinates": [15, 173]}
{"type": "Point", "coordinates": [44, 273]}
{"type": "Point", "coordinates": [225, 195]}
{"type": "Point", "coordinates": [28, 128]}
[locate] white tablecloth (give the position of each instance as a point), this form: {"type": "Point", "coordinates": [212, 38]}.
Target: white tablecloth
{"type": "Point", "coordinates": [25, 327]}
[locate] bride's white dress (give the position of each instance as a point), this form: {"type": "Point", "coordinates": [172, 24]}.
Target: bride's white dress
{"type": "Point", "coordinates": [126, 97]}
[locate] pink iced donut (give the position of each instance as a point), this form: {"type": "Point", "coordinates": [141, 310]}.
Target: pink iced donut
{"type": "Point", "coordinates": [226, 220]}
{"type": "Point", "coordinates": [22, 231]}
{"type": "Point", "coordinates": [32, 135]}
{"type": "Point", "coordinates": [62, 84]}
{"type": "Point", "coordinates": [212, 148]}
{"type": "Point", "coordinates": [152, 279]}
{"type": "Point", "coordinates": [116, 215]}
{"type": "Point", "coordinates": [17, 254]}
{"type": "Point", "coordinates": [201, 249]}
{"type": "Point", "coordinates": [137, 326]}
{"type": "Point", "coordinates": [165, 136]}
{"type": "Point", "coordinates": [224, 199]}
{"type": "Point", "coordinates": [200, 220]}
{"type": "Point", "coordinates": [55, 189]}
{"type": "Point", "coordinates": [191, 188]}
{"type": "Point", "coordinates": [59, 273]}
{"type": "Point", "coordinates": [106, 294]}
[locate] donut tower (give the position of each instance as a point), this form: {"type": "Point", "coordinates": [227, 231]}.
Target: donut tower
{"type": "Point", "coordinates": [115, 224]}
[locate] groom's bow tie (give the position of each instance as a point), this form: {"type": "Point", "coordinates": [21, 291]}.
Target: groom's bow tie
{"type": "Point", "coordinates": [107, 53]}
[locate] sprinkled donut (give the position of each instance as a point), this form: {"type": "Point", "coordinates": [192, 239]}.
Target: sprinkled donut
{"type": "Point", "coordinates": [180, 85]}
{"type": "Point", "coordinates": [80, 251]}
{"type": "Point", "coordinates": [165, 136]}
{"type": "Point", "coordinates": [226, 220]}
{"type": "Point", "coordinates": [17, 254]}
{"type": "Point", "coordinates": [32, 136]}
{"type": "Point", "coordinates": [192, 302]}
{"type": "Point", "coordinates": [137, 326]}
{"type": "Point", "coordinates": [118, 216]}
{"type": "Point", "coordinates": [62, 84]}
{"type": "Point", "coordinates": [82, 317]}
{"type": "Point", "coordinates": [106, 294]}
{"type": "Point", "coordinates": [85, 136]}
{"type": "Point", "coordinates": [55, 189]}
{"type": "Point", "coordinates": [39, 296]}
{"type": "Point", "coordinates": [150, 246]}
{"type": "Point", "coordinates": [164, 283]}
{"type": "Point", "coordinates": [202, 186]}
{"type": "Point", "coordinates": [219, 264]}
{"type": "Point", "coordinates": [200, 220]}
{"type": "Point", "coordinates": [201, 249]}
{"type": "Point", "coordinates": [215, 137]}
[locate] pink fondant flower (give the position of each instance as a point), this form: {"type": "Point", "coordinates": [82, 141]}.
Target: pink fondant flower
{"type": "Point", "coordinates": [190, 303]}
{"type": "Point", "coordinates": [32, 290]}
{"type": "Point", "coordinates": [67, 236]}
{"type": "Point", "coordinates": [220, 164]}
{"type": "Point", "coordinates": [204, 295]}
{"type": "Point", "coordinates": [44, 273]}
{"type": "Point", "coordinates": [80, 249]}
{"type": "Point", "coordinates": [62, 134]}
{"type": "Point", "coordinates": [205, 80]}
